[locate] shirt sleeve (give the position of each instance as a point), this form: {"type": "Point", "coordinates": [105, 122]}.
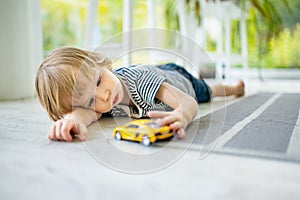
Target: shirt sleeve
{"type": "Point", "coordinates": [143, 84]}
{"type": "Point", "coordinates": [148, 84]}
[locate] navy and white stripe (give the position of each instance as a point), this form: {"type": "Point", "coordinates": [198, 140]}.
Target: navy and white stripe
{"type": "Point", "coordinates": [142, 85]}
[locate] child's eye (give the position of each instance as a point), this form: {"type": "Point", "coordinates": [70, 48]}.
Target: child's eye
{"type": "Point", "coordinates": [98, 82]}
{"type": "Point", "coordinates": [92, 100]}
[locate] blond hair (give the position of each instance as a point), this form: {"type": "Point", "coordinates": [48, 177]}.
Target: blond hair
{"type": "Point", "coordinates": [56, 77]}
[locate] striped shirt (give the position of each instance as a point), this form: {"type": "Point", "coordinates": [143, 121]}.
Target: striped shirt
{"type": "Point", "coordinates": [142, 83]}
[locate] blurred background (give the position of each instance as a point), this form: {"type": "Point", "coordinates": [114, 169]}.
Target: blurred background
{"type": "Point", "coordinates": [258, 37]}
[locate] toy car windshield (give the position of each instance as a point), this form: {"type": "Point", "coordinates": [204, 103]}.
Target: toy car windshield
{"type": "Point", "coordinates": [153, 125]}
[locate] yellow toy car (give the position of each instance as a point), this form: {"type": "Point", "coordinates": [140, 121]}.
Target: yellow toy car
{"type": "Point", "coordinates": [144, 131]}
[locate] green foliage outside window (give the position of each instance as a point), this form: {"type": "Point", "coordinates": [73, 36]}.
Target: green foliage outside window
{"type": "Point", "coordinates": [64, 25]}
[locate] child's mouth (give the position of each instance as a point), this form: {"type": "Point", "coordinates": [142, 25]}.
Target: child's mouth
{"type": "Point", "coordinates": [116, 99]}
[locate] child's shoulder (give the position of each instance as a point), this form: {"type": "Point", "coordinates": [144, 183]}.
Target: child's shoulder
{"type": "Point", "coordinates": [140, 74]}
{"type": "Point", "coordinates": [135, 69]}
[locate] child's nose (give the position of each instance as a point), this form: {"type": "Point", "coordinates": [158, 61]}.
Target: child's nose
{"type": "Point", "coordinates": [105, 95]}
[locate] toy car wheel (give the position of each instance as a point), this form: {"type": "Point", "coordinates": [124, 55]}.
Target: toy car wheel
{"type": "Point", "coordinates": [118, 135]}
{"type": "Point", "coordinates": [146, 140]}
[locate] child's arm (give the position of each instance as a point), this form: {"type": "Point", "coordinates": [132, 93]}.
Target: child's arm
{"type": "Point", "coordinates": [75, 123]}
{"type": "Point", "coordinates": [185, 108]}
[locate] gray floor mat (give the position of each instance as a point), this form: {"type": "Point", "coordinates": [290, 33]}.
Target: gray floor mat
{"type": "Point", "coordinates": [267, 136]}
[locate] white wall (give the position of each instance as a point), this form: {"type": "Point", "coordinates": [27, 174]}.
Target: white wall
{"type": "Point", "coordinates": [20, 47]}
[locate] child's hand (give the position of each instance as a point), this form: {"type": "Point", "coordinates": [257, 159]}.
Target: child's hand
{"type": "Point", "coordinates": [62, 129]}
{"type": "Point", "coordinates": [185, 109]}
{"type": "Point", "coordinates": [174, 119]}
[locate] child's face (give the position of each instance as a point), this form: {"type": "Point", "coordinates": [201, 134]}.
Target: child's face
{"type": "Point", "coordinates": [102, 94]}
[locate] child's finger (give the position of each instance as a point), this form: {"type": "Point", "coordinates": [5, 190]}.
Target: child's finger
{"type": "Point", "coordinates": [181, 133]}
{"type": "Point", "coordinates": [157, 114]}
{"type": "Point", "coordinates": [169, 119]}
{"type": "Point", "coordinates": [82, 131]}
{"type": "Point", "coordinates": [51, 132]}
{"type": "Point", "coordinates": [58, 134]}
{"type": "Point", "coordinates": [176, 125]}
{"type": "Point", "coordinates": [65, 130]}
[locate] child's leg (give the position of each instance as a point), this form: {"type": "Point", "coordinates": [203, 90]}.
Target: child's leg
{"type": "Point", "coordinates": [221, 90]}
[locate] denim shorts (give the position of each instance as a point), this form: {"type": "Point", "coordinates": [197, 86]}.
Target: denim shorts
{"type": "Point", "coordinates": [202, 90]}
